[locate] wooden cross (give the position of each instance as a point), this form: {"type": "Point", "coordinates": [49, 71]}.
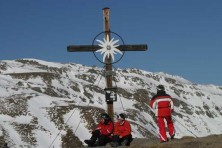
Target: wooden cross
{"type": "Point", "coordinates": [108, 66]}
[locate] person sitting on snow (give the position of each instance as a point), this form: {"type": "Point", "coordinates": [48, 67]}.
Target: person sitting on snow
{"type": "Point", "coordinates": [122, 132]}
{"type": "Point", "coordinates": [102, 134]}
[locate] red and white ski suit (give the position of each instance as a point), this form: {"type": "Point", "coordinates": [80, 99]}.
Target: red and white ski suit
{"type": "Point", "coordinates": [163, 107]}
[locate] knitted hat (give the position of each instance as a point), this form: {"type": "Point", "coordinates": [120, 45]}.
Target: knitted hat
{"type": "Point", "coordinates": [121, 117]}
{"type": "Point", "coordinates": [105, 116]}
{"type": "Point", "coordinates": [160, 87]}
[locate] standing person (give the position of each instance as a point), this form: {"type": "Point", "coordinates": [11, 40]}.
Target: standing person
{"type": "Point", "coordinates": [102, 134]}
{"type": "Point", "coordinates": [122, 132]}
{"type": "Point", "coordinates": [163, 107]}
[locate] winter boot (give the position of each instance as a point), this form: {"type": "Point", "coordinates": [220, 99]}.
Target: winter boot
{"type": "Point", "coordinates": [125, 142]}
{"type": "Point", "coordinates": [172, 136]}
{"type": "Point", "coordinates": [90, 143]}
{"type": "Point", "coordinates": [164, 141]}
{"type": "Point", "coordinates": [114, 144]}
{"type": "Point", "coordinates": [93, 139]}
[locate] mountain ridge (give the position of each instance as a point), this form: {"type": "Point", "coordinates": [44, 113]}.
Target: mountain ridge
{"type": "Point", "coordinates": [50, 98]}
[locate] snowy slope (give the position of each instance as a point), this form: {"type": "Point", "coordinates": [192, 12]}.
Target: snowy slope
{"type": "Point", "coordinates": [43, 103]}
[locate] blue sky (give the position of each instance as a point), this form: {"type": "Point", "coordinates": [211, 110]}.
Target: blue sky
{"type": "Point", "coordinates": [184, 36]}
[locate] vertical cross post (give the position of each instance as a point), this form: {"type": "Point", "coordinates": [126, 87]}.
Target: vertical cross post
{"type": "Point", "coordinates": [108, 60]}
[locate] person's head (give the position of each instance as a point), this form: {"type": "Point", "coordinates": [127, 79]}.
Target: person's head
{"type": "Point", "coordinates": [160, 87]}
{"type": "Point", "coordinates": [121, 117]}
{"type": "Point", "coordinates": [105, 118]}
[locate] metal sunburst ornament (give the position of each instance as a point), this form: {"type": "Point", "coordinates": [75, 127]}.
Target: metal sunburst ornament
{"type": "Point", "coordinates": [108, 48]}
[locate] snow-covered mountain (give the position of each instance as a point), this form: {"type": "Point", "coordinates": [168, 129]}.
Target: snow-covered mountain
{"type": "Point", "coordinates": [48, 104]}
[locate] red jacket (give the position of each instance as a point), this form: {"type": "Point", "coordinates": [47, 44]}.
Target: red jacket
{"type": "Point", "coordinates": [105, 129]}
{"type": "Point", "coordinates": [162, 104]}
{"type": "Point", "coordinates": [122, 128]}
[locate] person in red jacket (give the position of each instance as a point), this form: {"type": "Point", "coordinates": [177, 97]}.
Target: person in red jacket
{"type": "Point", "coordinates": [122, 132]}
{"type": "Point", "coordinates": [102, 134]}
{"type": "Point", "coordinates": [163, 107]}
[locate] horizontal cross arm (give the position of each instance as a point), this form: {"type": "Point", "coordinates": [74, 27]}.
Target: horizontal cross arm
{"type": "Point", "coordinates": [92, 48]}
{"type": "Point", "coordinates": [82, 48]}
{"type": "Point", "coordinates": [135, 47]}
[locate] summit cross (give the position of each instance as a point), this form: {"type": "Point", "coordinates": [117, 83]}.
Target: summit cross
{"type": "Point", "coordinates": [108, 59]}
